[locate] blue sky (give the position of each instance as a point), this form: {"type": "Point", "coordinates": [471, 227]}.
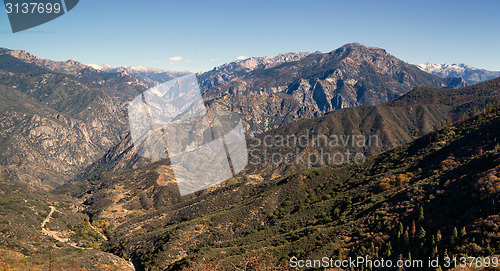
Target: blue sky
{"type": "Point", "coordinates": [199, 35]}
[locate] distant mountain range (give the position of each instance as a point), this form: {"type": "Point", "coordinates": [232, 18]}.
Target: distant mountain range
{"type": "Point", "coordinates": [470, 74]}
{"type": "Point", "coordinates": [150, 76]}
{"type": "Point", "coordinates": [238, 68]}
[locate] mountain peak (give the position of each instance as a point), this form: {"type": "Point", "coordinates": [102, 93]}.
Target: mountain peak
{"type": "Point", "coordinates": [21, 54]}
{"type": "Point", "coordinates": [359, 47]}
{"type": "Point", "coordinates": [358, 52]}
{"type": "Point", "coordinates": [354, 45]}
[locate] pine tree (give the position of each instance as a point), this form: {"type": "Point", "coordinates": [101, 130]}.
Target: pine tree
{"type": "Point", "coordinates": [421, 214]}
{"type": "Point", "coordinates": [454, 236]}
{"type": "Point", "coordinates": [439, 236]}
{"type": "Point", "coordinates": [406, 238]}
{"type": "Point", "coordinates": [400, 230]}
{"type": "Point", "coordinates": [362, 249]}
{"type": "Point", "coordinates": [473, 111]}
{"type": "Point", "coordinates": [421, 233]}
{"type": "Point", "coordinates": [463, 232]}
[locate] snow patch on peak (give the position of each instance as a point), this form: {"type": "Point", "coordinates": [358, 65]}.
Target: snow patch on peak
{"type": "Point", "coordinates": [103, 67]}
{"type": "Point", "coordinates": [470, 74]}
{"type": "Point", "coordinates": [431, 67]}
{"type": "Point", "coordinates": [131, 69]}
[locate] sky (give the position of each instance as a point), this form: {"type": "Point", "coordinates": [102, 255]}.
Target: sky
{"type": "Point", "coordinates": [200, 35]}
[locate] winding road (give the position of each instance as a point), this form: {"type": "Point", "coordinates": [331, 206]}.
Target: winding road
{"type": "Point", "coordinates": [52, 209]}
{"type": "Point", "coordinates": [54, 234]}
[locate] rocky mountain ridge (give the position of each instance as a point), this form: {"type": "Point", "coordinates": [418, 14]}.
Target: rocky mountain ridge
{"type": "Point", "coordinates": [318, 83]}
{"type": "Point", "coordinates": [55, 124]}
{"type": "Point", "coordinates": [238, 68]}
{"type": "Point", "coordinates": [470, 74]}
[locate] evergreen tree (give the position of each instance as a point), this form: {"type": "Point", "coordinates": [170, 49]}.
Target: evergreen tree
{"type": "Point", "coordinates": [454, 235]}
{"type": "Point", "coordinates": [421, 233]}
{"type": "Point", "coordinates": [438, 236]}
{"type": "Point", "coordinates": [421, 214]}
{"type": "Point", "coordinates": [400, 230]}
{"type": "Point", "coordinates": [406, 238]}
{"type": "Point", "coordinates": [463, 232]}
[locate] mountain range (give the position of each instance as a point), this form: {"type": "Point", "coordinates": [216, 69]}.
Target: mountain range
{"type": "Point", "coordinates": [67, 107]}
{"type": "Point", "coordinates": [309, 85]}
{"type": "Point", "coordinates": [238, 68]}
{"type": "Point", "coordinates": [470, 74]}
{"type": "Point", "coordinates": [68, 164]}
{"type": "Point", "coordinates": [147, 75]}
{"type": "Point", "coordinates": [318, 83]}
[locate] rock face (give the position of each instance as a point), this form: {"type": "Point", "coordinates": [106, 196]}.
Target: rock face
{"type": "Point", "coordinates": [313, 85]}
{"type": "Point", "coordinates": [53, 125]}
{"type": "Point", "coordinates": [469, 74]}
